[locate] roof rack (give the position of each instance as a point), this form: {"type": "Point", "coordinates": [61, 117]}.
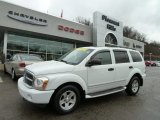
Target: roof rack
{"type": "Point", "coordinates": [126, 47]}
{"type": "Point", "coordinates": [112, 45]}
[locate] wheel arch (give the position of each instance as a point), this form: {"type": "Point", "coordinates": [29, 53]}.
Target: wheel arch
{"type": "Point", "coordinates": [77, 85]}
{"type": "Point", "coordinates": [137, 75]}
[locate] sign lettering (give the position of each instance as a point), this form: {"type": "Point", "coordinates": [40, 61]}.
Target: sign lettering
{"type": "Point", "coordinates": [105, 18]}
{"type": "Point", "coordinates": [71, 30]}
{"type": "Point", "coordinates": [27, 18]}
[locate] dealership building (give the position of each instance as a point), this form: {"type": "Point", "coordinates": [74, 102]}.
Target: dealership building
{"type": "Point", "coordinates": [24, 30]}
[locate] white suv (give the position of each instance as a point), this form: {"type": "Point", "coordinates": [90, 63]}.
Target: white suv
{"type": "Point", "coordinates": [82, 73]}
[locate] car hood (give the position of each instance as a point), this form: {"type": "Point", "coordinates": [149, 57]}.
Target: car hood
{"type": "Point", "coordinates": [49, 67]}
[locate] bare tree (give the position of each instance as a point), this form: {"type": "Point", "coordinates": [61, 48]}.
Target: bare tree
{"type": "Point", "coordinates": [130, 32]}
{"type": "Point", "coordinates": [127, 31]}
{"type": "Point", "coordinates": [82, 20]}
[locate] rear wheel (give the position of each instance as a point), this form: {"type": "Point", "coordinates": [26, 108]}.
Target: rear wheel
{"type": "Point", "coordinates": [133, 86]}
{"type": "Point", "coordinates": [13, 75]}
{"type": "Point", "coordinates": [66, 99]}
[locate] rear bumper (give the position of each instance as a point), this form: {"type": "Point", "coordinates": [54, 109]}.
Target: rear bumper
{"type": "Point", "coordinates": [32, 95]}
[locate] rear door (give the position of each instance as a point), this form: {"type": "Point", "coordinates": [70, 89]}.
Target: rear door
{"type": "Point", "coordinates": [122, 65]}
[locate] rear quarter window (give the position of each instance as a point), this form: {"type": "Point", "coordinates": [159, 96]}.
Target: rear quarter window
{"type": "Point", "coordinates": [135, 56]}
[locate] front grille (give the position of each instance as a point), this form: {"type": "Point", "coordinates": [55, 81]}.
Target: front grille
{"type": "Point", "coordinates": [28, 78]}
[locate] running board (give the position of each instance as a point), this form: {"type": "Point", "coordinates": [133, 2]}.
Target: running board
{"type": "Point", "coordinates": [106, 92]}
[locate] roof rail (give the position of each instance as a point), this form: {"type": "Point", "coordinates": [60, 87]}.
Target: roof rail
{"type": "Point", "coordinates": [119, 46]}
{"type": "Point", "coordinates": [126, 47]}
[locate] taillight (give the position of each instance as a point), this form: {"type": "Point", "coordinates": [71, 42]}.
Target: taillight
{"type": "Point", "coordinates": [22, 64]}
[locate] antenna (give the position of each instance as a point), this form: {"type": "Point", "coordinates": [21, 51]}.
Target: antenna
{"type": "Point", "coordinates": [62, 13]}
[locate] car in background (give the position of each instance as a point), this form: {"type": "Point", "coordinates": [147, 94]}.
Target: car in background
{"type": "Point", "coordinates": [157, 63]}
{"type": "Point", "coordinates": [147, 63]}
{"type": "Point", "coordinates": [153, 63]}
{"type": "Point", "coordinates": [15, 65]}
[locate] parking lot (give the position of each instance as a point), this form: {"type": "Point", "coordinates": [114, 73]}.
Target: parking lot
{"type": "Point", "coordinates": [119, 106]}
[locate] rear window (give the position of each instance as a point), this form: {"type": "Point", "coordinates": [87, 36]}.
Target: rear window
{"type": "Point", "coordinates": [121, 56]}
{"type": "Point", "coordinates": [26, 57]}
{"type": "Point", "coordinates": [135, 56]}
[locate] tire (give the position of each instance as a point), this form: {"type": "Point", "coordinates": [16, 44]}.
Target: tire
{"type": "Point", "coordinates": [13, 75]}
{"type": "Point", "coordinates": [133, 86]}
{"type": "Point", "coordinates": [66, 99]}
{"type": "Point", "coordinates": [5, 70]}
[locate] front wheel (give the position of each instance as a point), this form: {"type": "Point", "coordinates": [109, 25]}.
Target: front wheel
{"type": "Point", "coordinates": [66, 99]}
{"type": "Point", "coordinates": [133, 86]}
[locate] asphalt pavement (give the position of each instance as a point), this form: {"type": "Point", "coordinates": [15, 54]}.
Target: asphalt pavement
{"type": "Point", "coordinates": [119, 106]}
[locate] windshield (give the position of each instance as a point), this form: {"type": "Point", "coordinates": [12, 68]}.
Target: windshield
{"type": "Point", "coordinates": [76, 56]}
{"type": "Point", "coordinates": [30, 58]}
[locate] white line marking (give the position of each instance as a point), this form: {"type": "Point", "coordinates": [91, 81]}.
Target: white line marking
{"type": "Point", "coordinates": [1, 81]}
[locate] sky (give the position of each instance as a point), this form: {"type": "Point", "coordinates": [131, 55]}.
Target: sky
{"type": "Point", "coordinates": [143, 15]}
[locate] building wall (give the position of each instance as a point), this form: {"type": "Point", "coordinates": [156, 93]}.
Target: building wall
{"type": "Point", "coordinates": [70, 29]}
{"type": "Point", "coordinates": [134, 44]}
{"type": "Point", "coordinates": [13, 17]}
{"type": "Point", "coordinates": [100, 29]}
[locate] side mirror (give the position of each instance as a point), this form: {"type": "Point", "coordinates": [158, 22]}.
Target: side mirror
{"type": "Point", "coordinates": [93, 62]}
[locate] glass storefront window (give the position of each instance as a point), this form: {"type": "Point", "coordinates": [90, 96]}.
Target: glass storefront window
{"type": "Point", "coordinates": [16, 38]}
{"type": "Point", "coordinates": [17, 46]}
{"type": "Point", "coordinates": [37, 48]}
{"type": "Point", "coordinates": [54, 43]}
{"type": "Point", "coordinates": [47, 49]}
{"type": "Point", "coordinates": [66, 47]}
{"type": "Point", "coordinates": [53, 49]}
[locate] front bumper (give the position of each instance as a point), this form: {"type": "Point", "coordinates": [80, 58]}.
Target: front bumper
{"type": "Point", "coordinates": [32, 95]}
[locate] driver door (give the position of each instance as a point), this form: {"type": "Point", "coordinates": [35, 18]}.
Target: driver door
{"type": "Point", "coordinates": [101, 76]}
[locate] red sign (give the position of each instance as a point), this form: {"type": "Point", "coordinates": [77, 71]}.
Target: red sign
{"type": "Point", "coordinates": [71, 30]}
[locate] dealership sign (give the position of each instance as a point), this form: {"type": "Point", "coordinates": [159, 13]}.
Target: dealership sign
{"type": "Point", "coordinates": [70, 30]}
{"type": "Point", "coordinates": [105, 18]}
{"type": "Point", "coordinates": [110, 21]}
{"type": "Point", "coordinates": [27, 18]}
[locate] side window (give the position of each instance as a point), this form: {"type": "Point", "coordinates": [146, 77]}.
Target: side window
{"type": "Point", "coordinates": [135, 56]}
{"type": "Point", "coordinates": [104, 57]}
{"type": "Point", "coordinates": [121, 57]}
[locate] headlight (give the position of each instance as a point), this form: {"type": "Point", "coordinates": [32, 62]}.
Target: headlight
{"type": "Point", "coordinates": [40, 83]}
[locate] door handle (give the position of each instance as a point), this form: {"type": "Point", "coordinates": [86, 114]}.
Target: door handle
{"type": "Point", "coordinates": [130, 67]}
{"type": "Point", "coordinates": [111, 69]}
